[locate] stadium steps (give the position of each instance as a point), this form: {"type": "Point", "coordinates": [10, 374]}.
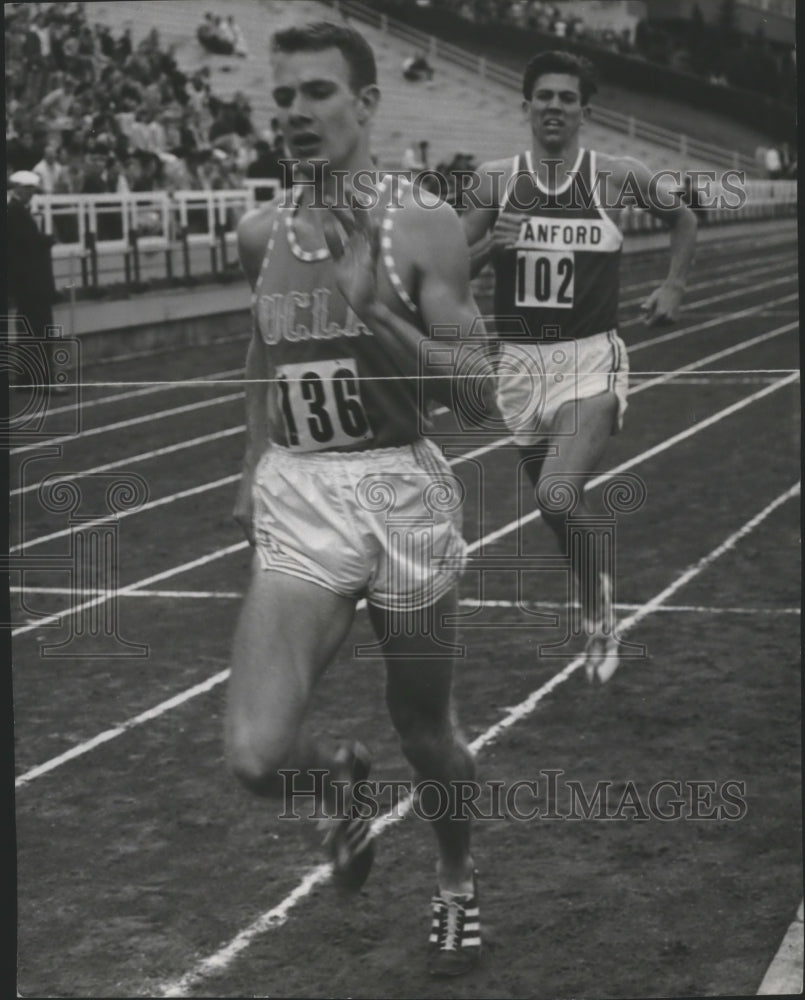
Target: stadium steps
{"type": "Point", "coordinates": [462, 112]}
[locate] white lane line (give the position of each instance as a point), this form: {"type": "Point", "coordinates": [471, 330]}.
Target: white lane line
{"type": "Point", "coordinates": [146, 418]}
{"type": "Point", "coordinates": [159, 502]}
{"type": "Point", "coordinates": [663, 338]}
{"type": "Point", "coordinates": [82, 748]}
{"type": "Point", "coordinates": [734, 277]}
{"type": "Point", "coordinates": [784, 279]}
{"type": "Point", "coordinates": [745, 380]}
{"type": "Point", "coordinates": [158, 452]}
{"type": "Point", "coordinates": [111, 734]}
{"type": "Point", "coordinates": [145, 582]}
{"type": "Point", "coordinates": [739, 244]}
{"type": "Point", "coordinates": [150, 388]}
{"type": "Point", "coordinates": [144, 456]}
{"type": "Point", "coordinates": [650, 453]}
{"type": "Point", "coordinates": [277, 915]}
{"type": "Point", "coordinates": [694, 306]}
{"type": "Point", "coordinates": [156, 352]}
{"type": "Point", "coordinates": [631, 322]}
{"type": "Point", "coordinates": [465, 602]}
{"type": "Point", "coordinates": [784, 975]}
{"type": "Point", "coordinates": [646, 609]}
{"type": "Point", "coordinates": [717, 356]}
{"type": "Point", "coordinates": [205, 487]}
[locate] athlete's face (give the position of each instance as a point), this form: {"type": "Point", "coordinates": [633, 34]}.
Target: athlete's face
{"type": "Point", "coordinates": [319, 114]}
{"type": "Point", "coordinates": [555, 109]}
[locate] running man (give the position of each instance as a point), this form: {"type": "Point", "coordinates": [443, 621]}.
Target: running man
{"type": "Point", "coordinates": [346, 283]}
{"type": "Point", "coordinates": [545, 220]}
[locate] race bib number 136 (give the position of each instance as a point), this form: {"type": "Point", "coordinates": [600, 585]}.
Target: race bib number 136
{"type": "Point", "coordinates": [545, 278]}
{"type": "Point", "coordinates": [321, 406]}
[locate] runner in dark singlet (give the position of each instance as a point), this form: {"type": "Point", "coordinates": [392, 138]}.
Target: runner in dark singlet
{"type": "Point", "coordinates": [545, 220]}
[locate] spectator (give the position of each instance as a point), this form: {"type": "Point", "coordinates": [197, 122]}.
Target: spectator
{"type": "Point", "coordinates": [415, 157]}
{"type": "Point", "coordinates": [416, 68]}
{"type": "Point", "coordinates": [773, 163]}
{"type": "Point", "coordinates": [126, 117]}
{"type": "Point", "coordinates": [239, 42]}
{"type": "Point", "coordinates": [95, 178]}
{"type": "Point", "coordinates": [132, 172]}
{"type": "Point", "coordinates": [265, 166]}
{"type": "Point", "coordinates": [170, 120]}
{"type": "Point", "coordinates": [29, 270]}
{"type": "Point", "coordinates": [213, 34]}
{"type": "Point", "coordinates": [226, 33]}
{"type": "Point", "coordinates": [151, 173]}
{"type": "Point", "coordinates": [123, 47]}
{"type": "Point", "coordinates": [140, 136]}
{"type": "Point", "coordinates": [105, 41]}
{"type": "Point", "coordinates": [59, 99]}
{"type": "Point", "coordinates": [191, 135]}
{"type": "Point", "coordinates": [22, 152]}
{"type": "Point", "coordinates": [175, 173]}
{"type": "Point", "coordinates": [36, 52]}
{"type": "Point", "coordinates": [49, 169]}
{"type": "Point", "coordinates": [157, 137]}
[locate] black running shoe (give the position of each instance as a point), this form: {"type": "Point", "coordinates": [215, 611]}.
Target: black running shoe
{"type": "Point", "coordinates": [455, 936]}
{"type": "Point", "coordinates": [349, 841]}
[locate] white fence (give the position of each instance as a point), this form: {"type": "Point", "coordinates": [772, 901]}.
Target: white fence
{"type": "Point", "coordinates": [727, 199]}
{"type": "Point", "coordinates": [151, 220]}
{"type": "Point", "coordinates": [135, 238]}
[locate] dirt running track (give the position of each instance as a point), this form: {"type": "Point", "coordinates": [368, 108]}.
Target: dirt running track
{"type": "Point", "coordinates": [139, 858]}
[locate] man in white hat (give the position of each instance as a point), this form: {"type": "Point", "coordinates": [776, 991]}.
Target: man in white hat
{"type": "Point", "coordinates": [30, 270]}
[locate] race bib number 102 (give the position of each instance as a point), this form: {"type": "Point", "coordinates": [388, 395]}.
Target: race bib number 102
{"type": "Point", "coordinates": [545, 278]}
{"type": "Point", "coordinates": [321, 406]}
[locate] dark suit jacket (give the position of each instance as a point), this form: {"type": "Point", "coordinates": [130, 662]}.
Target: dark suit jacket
{"type": "Point", "coordinates": [29, 267]}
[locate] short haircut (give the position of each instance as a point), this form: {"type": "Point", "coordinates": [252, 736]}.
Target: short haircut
{"type": "Point", "coordinates": [554, 61]}
{"type": "Point", "coordinates": [320, 35]}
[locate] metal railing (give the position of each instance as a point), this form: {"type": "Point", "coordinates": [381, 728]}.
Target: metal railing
{"type": "Point", "coordinates": [121, 238]}
{"type": "Point", "coordinates": [133, 239]}
{"type": "Point", "coordinates": [486, 69]}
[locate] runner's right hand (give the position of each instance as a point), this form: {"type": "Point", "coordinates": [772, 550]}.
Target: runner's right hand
{"type": "Point", "coordinates": [506, 231]}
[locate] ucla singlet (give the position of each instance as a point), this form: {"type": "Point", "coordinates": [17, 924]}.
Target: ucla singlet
{"type": "Point", "coordinates": [333, 387]}
{"type": "Point", "coordinates": [561, 277]}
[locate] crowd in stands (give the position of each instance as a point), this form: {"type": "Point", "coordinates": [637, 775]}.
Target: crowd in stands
{"type": "Point", "coordinates": [719, 54]}
{"type": "Point", "coordinates": [221, 36]}
{"type": "Point", "coordinates": [90, 111]}
{"type": "Point", "coordinates": [716, 52]}
{"type": "Point", "coordinates": [445, 179]}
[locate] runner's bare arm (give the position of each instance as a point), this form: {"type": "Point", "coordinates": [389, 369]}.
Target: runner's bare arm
{"type": "Point", "coordinates": [659, 194]}
{"type": "Point", "coordinates": [253, 234]}
{"type": "Point", "coordinates": [430, 235]}
{"type": "Point", "coordinates": [485, 229]}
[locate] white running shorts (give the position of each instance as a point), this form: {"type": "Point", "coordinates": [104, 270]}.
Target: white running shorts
{"type": "Point", "coordinates": [384, 523]}
{"type": "Point", "coordinates": [535, 379]}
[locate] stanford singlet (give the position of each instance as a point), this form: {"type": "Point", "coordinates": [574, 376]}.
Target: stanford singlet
{"type": "Point", "coordinates": [562, 274]}
{"type": "Point", "coordinates": [334, 385]}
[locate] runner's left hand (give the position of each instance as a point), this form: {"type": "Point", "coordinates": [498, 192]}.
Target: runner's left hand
{"type": "Point", "coordinates": [662, 306]}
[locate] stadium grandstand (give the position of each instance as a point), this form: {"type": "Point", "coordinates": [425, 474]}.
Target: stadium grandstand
{"type": "Point", "coordinates": [152, 138]}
